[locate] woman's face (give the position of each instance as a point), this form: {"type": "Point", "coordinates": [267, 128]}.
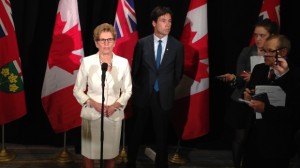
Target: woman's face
{"type": "Point", "coordinates": [105, 43]}
{"type": "Point", "coordinates": [260, 36]}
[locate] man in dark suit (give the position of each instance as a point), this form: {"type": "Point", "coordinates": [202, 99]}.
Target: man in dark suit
{"type": "Point", "coordinates": [272, 134]}
{"type": "Point", "coordinates": [157, 68]}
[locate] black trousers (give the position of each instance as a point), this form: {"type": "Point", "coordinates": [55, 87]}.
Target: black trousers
{"type": "Point", "coordinates": [261, 152]}
{"type": "Point", "coordinates": [160, 121]}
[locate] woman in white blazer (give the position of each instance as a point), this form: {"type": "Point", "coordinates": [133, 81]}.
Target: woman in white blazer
{"type": "Point", "coordinates": [88, 92]}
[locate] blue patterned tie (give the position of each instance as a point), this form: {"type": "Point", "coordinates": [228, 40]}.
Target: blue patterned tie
{"type": "Point", "coordinates": [158, 57]}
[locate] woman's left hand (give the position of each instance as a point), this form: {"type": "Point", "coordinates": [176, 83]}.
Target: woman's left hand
{"type": "Point", "coordinates": [110, 110]}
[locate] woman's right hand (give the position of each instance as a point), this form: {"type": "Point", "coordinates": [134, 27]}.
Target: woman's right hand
{"type": "Point", "coordinates": [227, 77]}
{"type": "Point", "coordinates": [96, 105]}
{"type": "Point", "coordinates": [246, 75]}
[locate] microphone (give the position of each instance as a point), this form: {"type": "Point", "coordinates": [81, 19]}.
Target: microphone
{"type": "Point", "coordinates": [104, 69]}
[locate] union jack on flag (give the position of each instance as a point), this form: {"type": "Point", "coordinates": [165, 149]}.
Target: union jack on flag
{"type": "Point", "coordinates": [3, 31]}
{"type": "Point", "coordinates": [127, 35]}
{"type": "Point", "coordinates": [7, 11]}
{"type": "Point", "coordinates": [125, 21]}
{"type": "Point", "coordinates": [269, 9]}
{"type": "Point", "coordinates": [125, 25]}
{"type": "Point", "coordinates": [12, 94]}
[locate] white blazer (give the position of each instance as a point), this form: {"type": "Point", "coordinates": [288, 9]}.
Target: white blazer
{"type": "Point", "coordinates": [118, 86]}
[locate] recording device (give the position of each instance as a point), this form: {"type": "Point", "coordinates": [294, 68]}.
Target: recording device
{"type": "Point", "coordinates": [276, 57]}
{"type": "Point", "coordinates": [104, 69]}
{"type": "Point", "coordinates": [244, 101]}
{"type": "Point", "coordinates": [261, 97]}
{"type": "Point", "coordinates": [220, 77]}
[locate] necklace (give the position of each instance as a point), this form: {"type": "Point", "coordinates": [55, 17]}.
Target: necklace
{"type": "Point", "coordinates": [109, 63]}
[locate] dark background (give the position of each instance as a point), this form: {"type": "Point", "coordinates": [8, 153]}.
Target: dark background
{"type": "Point", "coordinates": [230, 27]}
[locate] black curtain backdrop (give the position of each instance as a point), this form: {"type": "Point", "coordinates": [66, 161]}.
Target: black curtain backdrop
{"type": "Point", "coordinates": [230, 27]}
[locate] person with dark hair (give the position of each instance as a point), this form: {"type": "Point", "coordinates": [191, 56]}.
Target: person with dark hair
{"type": "Point", "coordinates": [237, 116]}
{"type": "Point", "coordinates": [117, 89]}
{"type": "Point", "coordinates": [270, 140]}
{"type": "Point", "coordinates": [157, 68]}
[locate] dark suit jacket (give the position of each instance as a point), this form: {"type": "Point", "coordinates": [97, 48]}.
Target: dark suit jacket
{"type": "Point", "coordinates": [144, 72]}
{"type": "Point", "coordinates": [243, 64]}
{"type": "Point", "coordinates": [272, 135]}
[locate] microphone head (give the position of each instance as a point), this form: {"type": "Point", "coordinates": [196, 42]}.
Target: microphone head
{"type": "Point", "coordinates": [104, 66]}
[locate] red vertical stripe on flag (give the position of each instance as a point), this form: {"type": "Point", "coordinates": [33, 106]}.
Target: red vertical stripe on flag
{"type": "Point", "coordinates": [12, 96]}
{"type": "Point", "coordinates": [269, 9]}
{"type": "Point", "coordinates": [63, 63]}
{"type": "Point", "coordinates": [125, 25]}
{"type": "Point", "coordinates": [193, 91]}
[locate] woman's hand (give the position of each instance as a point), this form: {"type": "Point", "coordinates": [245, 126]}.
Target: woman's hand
{"type": "Point", "coordinates": [248, 94]}
{"type": "Point", "coordinates": [96, 105]}
{"type": "Point", "coordinates": [110, 110]}
{"type": "Point", "coordinates": [246, 75]}
{"type": "Point", "coordinates": [257, 106]}
{"type": "Point", "coordinates": [227, 77]}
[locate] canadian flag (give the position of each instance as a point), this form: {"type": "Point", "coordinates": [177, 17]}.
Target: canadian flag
{"type": "Point", "coordinates": [63, 63]}
{"type": "Point", "coordinates": [193, 91]}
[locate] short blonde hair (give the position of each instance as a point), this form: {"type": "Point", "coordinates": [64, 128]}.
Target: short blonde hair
{"type": "Point", "coordinates": [104, 27]}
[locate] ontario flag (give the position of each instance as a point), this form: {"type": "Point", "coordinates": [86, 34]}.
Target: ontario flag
{"type": "Point", "coordinates": [269, 9]}
{"type": "Point", "coordinates": [63, 63]}
{"type": "Point", "coordinates": [127, 35]}
{"type": "Point", "coordinates": [192, 94]}
{"type": "Point", "coordinates": [12, 95]}
{"type": "Point", "coordinates": [125, 25]}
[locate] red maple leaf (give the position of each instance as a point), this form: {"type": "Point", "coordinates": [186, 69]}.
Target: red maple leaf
{"type": "Point", "coordinates": [63, 44]}
{"type": "Point", "coordinates": [193, 54]}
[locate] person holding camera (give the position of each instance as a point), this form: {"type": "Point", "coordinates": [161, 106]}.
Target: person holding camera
{"type": "Point", "coordinates": [271, 135]}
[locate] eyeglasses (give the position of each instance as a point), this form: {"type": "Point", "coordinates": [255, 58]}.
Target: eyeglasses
{"type": "Point", "coordinates": [102, 40]}
{"type": "Point", "coordinates": [266, 56]}
{"type": "Point", "coordinates": [271, 52]}
{"type": "Point", "coordinates": [276, 54]}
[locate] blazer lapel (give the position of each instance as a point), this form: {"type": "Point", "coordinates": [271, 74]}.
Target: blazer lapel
{"type": "Point", "coordinates": [166, 53]}
{"type": "Point", "coordinates": [109, 74]}
{"type": "Point", "coordinates": [150, 45]}
{"type": "Point", "coordinates": [114, 71]}
{"type": "Point", "coordinates": [97, 60]}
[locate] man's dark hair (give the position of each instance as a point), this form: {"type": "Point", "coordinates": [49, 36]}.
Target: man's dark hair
{"type": "Point", "coordinates": [159, 11]}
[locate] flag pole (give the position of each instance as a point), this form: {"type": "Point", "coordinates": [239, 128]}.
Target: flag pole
{"type": "Point", "coordinates": [4, 154]}
{"type": "Point", "coordinates": [176, 157]}
{"type": "Point", "coordinates": [64, 156]}
{"type": "Point", "coordinates": [122, 158]}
